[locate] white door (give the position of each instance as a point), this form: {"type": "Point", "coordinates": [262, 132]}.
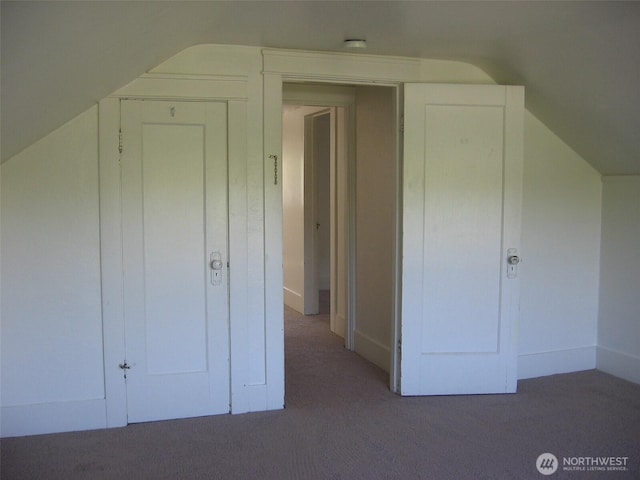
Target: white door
{"type": "Point", "coordinates": [317, 158]}
{"type": "Point", "coordinates": [174, 196]}
{"type": "Point", "coordinates": [461, 220]}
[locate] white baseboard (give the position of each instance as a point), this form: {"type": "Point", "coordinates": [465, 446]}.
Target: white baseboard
{"type": "Point", "coordinates": [339, 325]}
{"type": "Point", "coordinates": [541, 364]}
{"type": "Point", "coordinates": [372, 350]}
{"type": "Point", "coordinates": [619, 364]}
{"type": "Point", "coordinates": [17, 421]}
{"type": "Point", "coordinates": [293, 299]}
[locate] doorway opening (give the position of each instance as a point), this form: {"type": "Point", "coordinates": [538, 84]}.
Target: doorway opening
{"type": "Point", "coordinates": [341, 212]}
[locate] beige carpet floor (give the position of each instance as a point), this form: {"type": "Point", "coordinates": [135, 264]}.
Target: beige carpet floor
{"type": "Point", "coordinates": [341, 422]}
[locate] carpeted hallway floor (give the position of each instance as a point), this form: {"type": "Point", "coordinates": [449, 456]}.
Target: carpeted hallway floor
{"type": "Point", "coordinates": [341, 422]}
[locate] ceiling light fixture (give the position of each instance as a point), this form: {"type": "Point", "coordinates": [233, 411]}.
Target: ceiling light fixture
{"type": "Point", "coordinates": [355, 44]}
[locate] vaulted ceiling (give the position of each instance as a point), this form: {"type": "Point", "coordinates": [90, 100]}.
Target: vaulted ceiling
{"type": "Point", "coordinates": [579, 61]}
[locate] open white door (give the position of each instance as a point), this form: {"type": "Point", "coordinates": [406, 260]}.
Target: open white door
{"type": "Point", "coordinates": [461, 222]}
{"type": "Point", "coordinates": [174, 198]}
{"type": "Point", "coordinates": [317, 150]}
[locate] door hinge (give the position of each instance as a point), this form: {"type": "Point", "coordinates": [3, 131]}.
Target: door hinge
{"type": "Point", "coordinates": [401, 123]}
{"type": "Point", "coordinates": [120, 146]}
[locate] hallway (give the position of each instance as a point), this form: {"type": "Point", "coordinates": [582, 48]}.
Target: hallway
{"type": "Point", "coordinates": [320, 371]}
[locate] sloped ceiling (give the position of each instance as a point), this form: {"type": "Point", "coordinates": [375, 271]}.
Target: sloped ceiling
{"type": "Point", "coordinates": [579, 61]}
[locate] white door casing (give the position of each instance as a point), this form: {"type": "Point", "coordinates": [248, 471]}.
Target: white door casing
{"type": "Point", "coordinates": [461, 214]}
{"type": "Point", "coordinates": [174, 220]}
{"type": "Point", "coordinates": [255, 305]}
{"type": "Point", "coordinates": [340, 100]}
{"type": "Point", "coordinates": [311, 207]}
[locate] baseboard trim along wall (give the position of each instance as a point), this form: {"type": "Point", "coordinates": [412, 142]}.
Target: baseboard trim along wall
{"type": "Point", "coordinates": [531, 365]}
{"type": "Point", "coordinates": [340, 325]}
{"type": "Point", "coordinates": [619, 364]}
{"type": "Point", "coordinates": [372, 350]}
{"type": "Point", "coordinates": [293, 299]}
{"type": "Point", "coordinates": [55, 417]}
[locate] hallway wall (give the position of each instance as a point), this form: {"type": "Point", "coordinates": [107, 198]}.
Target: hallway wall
{"type": "Point", "coordinates": [375, 222]}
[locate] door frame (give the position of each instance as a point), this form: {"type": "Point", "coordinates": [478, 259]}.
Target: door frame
{"type": "Point", "coordinates": [310, 195]}
{"type": "Point", "coordinates": [296, 93]}
{"type": "Point", "coordinates": [155, 87]}
{"type": "Point", "coordinates": [359, 70]}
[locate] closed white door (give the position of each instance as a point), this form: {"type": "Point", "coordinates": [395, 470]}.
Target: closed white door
{"type": "Point", "coordinates": [461, 224]}
{"type": "Point", "coordinates": [174, 196]}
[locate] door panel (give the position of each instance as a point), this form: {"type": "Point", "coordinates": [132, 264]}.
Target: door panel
{"type": "Point", "coordinates": [174, 290]}
{"type": "Point", "coordinates": [462, 195]}
{"type": "Point", "coordinates": [174, 217]}
{"type": "Point", "coordinates": [463, 202]}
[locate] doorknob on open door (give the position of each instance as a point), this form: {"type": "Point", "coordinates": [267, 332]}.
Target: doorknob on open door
{"type": "Point", "coordinates": [215, 262]}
